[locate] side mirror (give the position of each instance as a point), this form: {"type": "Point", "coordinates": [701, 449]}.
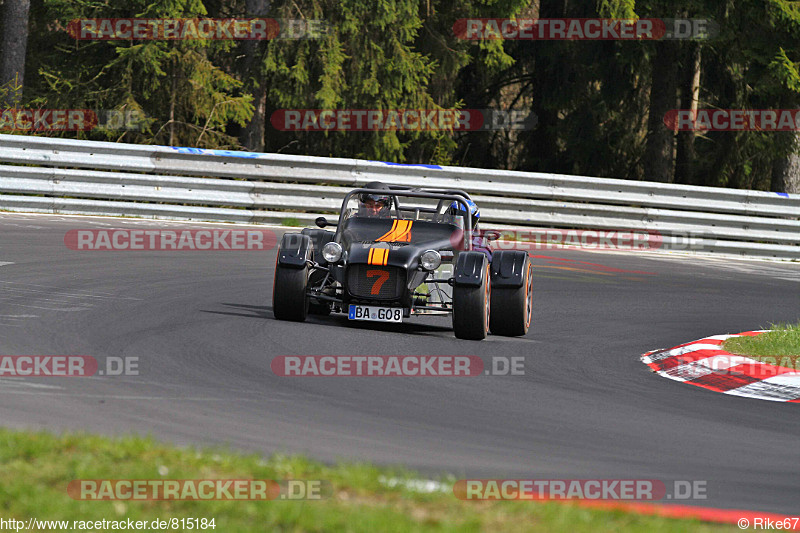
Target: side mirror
{"type": "Point", "coordinates": [492, 235]}
{"type": "Point", "coordinates": [323, 222]}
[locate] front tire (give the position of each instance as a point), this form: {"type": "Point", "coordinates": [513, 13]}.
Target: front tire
{"type": "Point", "coordinates": [512, 307]}
{"type": "Point", "coordinates": [289, 299]}
{"type": "Point", "coordinates": [472, 309]}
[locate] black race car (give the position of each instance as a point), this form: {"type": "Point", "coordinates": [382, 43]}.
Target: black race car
{"type": "Point", "coordinates": [389, 260]}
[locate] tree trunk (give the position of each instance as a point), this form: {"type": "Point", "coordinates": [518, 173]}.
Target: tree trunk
{"type": "Point", "coordinates": [658, 156]}
{"type": "Point", "coordinates": [14, 45]}
{"type": "Point", "coordinates": [173, 96]}
{"type": "Point", "coordinates": [786, 171]}
{"type": "Point", "coordinates": [252, 137]}
{"type": "Point", "coordinates": [541, 144]}
{"type": "Point", "coordinates": [690, 96]}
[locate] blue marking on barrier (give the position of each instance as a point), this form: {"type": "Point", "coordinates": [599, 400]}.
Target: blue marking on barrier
{"type": "Point", "coordinates": [224, 153]}
{"type": "Point", "coordinates": [784, 194]}
{"type": "Point", "coordinates": [408, 165]}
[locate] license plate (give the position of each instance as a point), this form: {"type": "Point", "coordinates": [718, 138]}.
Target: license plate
{"type": "Point", "coordinates": [375, 314]}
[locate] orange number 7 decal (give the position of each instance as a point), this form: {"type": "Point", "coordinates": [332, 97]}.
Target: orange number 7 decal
{"type": "Point", "coordinates": [382, 277]}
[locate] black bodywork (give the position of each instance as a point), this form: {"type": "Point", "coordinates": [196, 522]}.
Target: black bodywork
{"type": "Point", "coordinates": [380, 265]}
{"type": "Point", "coordinates": [353, 279]}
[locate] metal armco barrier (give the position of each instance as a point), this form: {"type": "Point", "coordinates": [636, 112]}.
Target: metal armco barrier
{"type": "Point", "coordinates": [49, 175]}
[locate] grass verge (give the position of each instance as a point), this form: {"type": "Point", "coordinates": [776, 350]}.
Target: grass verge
{"type": "Point", "coordinates": [779, 347]}
{"type": "Point", "coordinates": [38, 466]}
{"type": "Point", "coordinates": [291, 222]}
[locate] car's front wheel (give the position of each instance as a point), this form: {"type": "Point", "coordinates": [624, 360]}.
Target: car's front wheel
{"type": "Point", "coordinates": [289, 300]}
{"type": "Point", "coordinates": [471, 308]}
{"type": "Point", "coordinates": [289, 288]}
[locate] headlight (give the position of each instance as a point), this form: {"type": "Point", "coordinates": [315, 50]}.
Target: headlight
{"type": "Point", "coordinates": [332, 252]}
{"type": "Point", "coordinates": [430, 260]}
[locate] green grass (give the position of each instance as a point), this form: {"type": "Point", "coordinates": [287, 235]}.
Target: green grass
{"type": "Point", "coordinates": [38, 466]}
{"type": "Point", "coordinates": [291, 222]}
{"type": "Point", "coordinates": [780, 347]}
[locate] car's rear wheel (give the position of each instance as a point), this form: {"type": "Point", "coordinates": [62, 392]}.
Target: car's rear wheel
{"type": "Point", "coordinates": [471, 309]}
{"type": "Point", "coordinates": [289, 299]}
{"type": "Point", "coordinates": [512, 307]}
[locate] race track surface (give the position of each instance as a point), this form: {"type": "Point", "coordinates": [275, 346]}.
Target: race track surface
{"type": "Point", "coordinates": [202, 327]}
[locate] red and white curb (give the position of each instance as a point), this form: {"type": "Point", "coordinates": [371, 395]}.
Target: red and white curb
{"type": "Point", "coordinates": [704, 363]}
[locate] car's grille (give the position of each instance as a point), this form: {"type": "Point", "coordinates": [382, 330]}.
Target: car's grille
{"type": "Point", "coordinates": [367, 281]}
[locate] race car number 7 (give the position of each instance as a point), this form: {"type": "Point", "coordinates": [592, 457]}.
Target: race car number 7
{"type": "Point", "coordinates": [382, 277]}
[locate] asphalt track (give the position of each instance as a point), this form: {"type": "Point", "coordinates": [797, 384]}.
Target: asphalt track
{"type": "Point", "coordinates": [202, 327]}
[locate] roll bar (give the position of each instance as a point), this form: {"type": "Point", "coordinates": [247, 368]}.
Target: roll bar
{"type": "Point", "coordinates": [451, 195]}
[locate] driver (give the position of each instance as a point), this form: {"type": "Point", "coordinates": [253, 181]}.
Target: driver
{"type": "Point", "coordinates": [375, 205]}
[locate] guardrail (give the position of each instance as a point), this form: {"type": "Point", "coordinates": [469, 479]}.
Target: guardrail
{"type": "Point", "coordinates": [66, 176]}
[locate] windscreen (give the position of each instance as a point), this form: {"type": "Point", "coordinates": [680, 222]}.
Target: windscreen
{"type": "Point", "coordinates": [406, 208]}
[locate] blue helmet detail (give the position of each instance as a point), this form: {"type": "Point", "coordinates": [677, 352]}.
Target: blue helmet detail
{"type": "Point", "coordinates": [457, 209]}
{"type": "Point", "coordinates": [473, 208]}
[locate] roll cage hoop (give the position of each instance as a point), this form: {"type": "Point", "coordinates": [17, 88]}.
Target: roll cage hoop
{"type": "Point", "coordinates": [443, 195]}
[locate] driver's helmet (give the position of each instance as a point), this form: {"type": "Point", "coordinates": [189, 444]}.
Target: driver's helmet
{"type": "Point", "coordinates": [374, 204]}
{"type": "Point", "coordinates": [457, 209]}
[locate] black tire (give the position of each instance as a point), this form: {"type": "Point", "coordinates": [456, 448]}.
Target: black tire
{"type": "Point", "coordinates": [471, 309]}
{"type": "Point", "coordinates": [289, 299]}
{"type": "Point", "coordinates": [512, 307]}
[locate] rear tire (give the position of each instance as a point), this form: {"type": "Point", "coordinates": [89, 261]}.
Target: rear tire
{"type": "Point", "coordinates": [289, 299]}
{"type": "Point", "coordinates": [512, 307]}
{"type": "Point", "coordinates": [472, 309]}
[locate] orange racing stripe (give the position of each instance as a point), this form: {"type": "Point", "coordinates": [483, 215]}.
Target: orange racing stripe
{"type": "Point", "coordinates": [400, 232]}
{"type": "Point", "coordinates": [378, 256]}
